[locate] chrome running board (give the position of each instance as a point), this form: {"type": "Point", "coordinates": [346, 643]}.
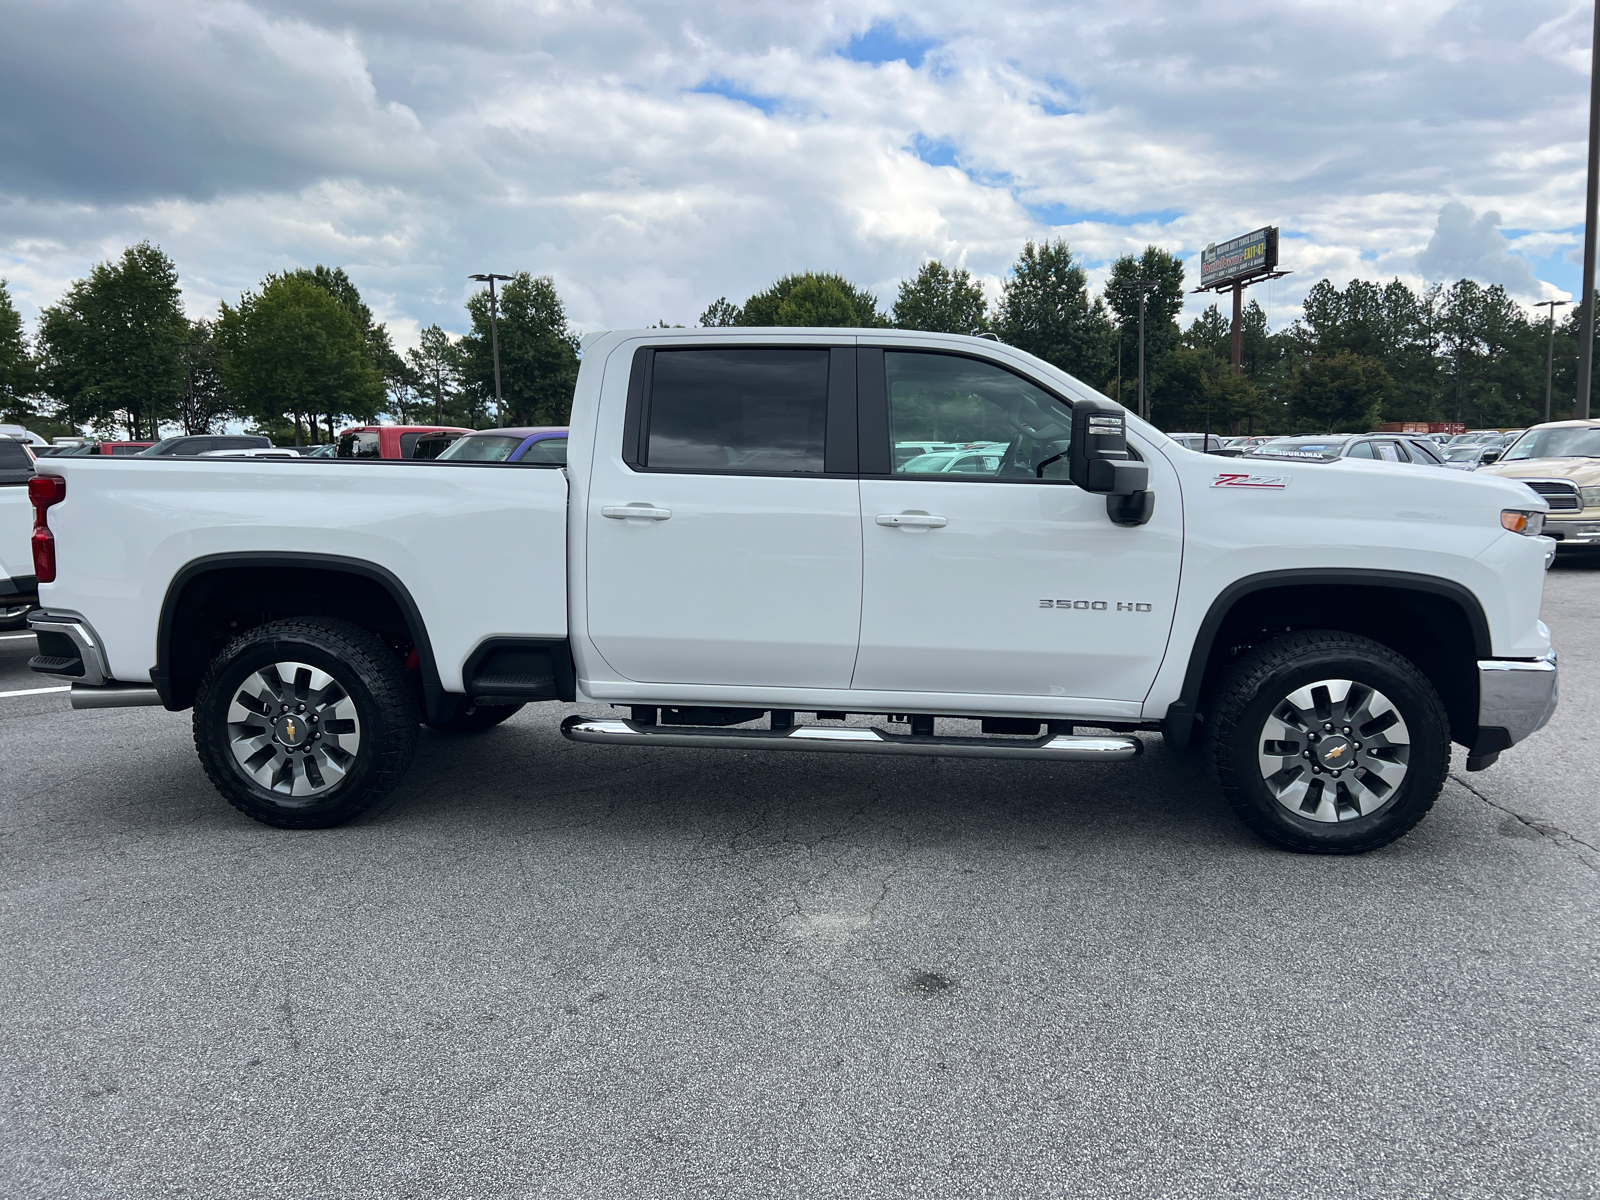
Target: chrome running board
{"type": "Point", "coordinates": [1059, 747]}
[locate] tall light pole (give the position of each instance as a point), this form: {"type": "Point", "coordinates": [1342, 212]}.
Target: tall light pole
{"type": "Point", "coordinates": [1550, 352]}
{"type": "Point", "coordinates": [1144, 286]}
{"type": "Point", "coordinates": [1591, 204]}
{"type": "Point", "coordinates": [494, 340]}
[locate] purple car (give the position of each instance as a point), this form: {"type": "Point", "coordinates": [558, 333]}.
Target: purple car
{"type": "Point", "coordinates": [530, 444]}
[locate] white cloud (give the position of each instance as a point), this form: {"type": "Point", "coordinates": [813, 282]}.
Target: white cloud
{"type": "Point", "coordinates": [416, 142]}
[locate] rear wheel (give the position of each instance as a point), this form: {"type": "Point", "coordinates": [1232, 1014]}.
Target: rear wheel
{"type": "Point", "coordinates": [474, 718]}
{"type": "Point", "coordinates": [1328, 743]}
{"type": "Point", "coordinates": [305, 723]}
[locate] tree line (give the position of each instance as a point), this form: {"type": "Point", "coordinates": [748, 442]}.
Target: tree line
{"type": "Point", "coordinates": [301, 354]}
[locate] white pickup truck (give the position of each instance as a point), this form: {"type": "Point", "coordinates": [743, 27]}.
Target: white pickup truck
{"type": "Point", "coordinates": [736, 557]}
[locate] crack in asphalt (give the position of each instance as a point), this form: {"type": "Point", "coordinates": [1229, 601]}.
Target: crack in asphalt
{"type": "Point", "coordinates": [1554, 833]}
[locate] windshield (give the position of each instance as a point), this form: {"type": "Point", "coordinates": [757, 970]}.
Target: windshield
{"type": "Point", "coordinates": [1296, 446]}
{"type": "Point", "coordinates": [1571, 442]}
{"type": "Point", "coordinates": [1462, 454]}
{"type": "Point", "coordinates": [481, 448]}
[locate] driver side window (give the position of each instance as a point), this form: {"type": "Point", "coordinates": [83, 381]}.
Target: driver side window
{"type": "Point", "coordinates": [987, 422]}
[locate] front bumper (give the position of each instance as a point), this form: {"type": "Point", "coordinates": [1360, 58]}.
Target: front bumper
{"type": "Point", "coordinates": [1516, 697]}
{"type": "Point", "coordinates": [1573, 531]}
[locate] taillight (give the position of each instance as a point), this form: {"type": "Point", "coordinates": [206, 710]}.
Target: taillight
{"type": "Point", "coordinates": [43, 491]}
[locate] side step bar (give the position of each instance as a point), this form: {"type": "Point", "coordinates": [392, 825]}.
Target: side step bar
{"type": "Point", "coordinates": [1059, 747]}
{"type": "Point", "coordinates": [114, 695]}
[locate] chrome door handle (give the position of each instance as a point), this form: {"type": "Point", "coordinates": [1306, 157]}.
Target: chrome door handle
{"type": "Point", "coordinates": [635, 512]}
{"type": "Point", "coordinates": [911, 520]}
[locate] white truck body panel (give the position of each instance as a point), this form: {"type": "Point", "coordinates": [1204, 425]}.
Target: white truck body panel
{"type": "Point", "coordinates": [16, 527]}
{"type": "Point", "coordinates": [480, 548]}
{"type": "Point", "coordinates": [786, 592]}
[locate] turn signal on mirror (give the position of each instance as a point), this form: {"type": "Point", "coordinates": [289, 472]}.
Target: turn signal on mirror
{"type": "Point", "coordinates": [1529, 523]}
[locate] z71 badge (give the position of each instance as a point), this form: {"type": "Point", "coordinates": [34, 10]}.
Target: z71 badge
{"type": "Point", "coordinates": [1238, 479]}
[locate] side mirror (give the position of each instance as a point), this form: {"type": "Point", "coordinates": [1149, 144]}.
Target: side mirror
{"type": "Point", "coordinates": [1491, 456]}
{"type": "Point", "coordinates": [1099, 461]}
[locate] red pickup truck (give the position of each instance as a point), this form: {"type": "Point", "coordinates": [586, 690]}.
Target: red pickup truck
{"type": "Point", "coordinates": [387, 441]}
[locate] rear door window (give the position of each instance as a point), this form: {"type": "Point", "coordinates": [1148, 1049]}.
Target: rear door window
{"type": "Point", "coordinates": [761, 410]}
{"type": "Point", "coordinates": [359, 445]}
{"type": "Point", "coordinates": [1391, 452]}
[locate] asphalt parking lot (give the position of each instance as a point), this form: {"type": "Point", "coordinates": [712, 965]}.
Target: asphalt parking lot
{"type": "Point", "coordinates": [554, 970]}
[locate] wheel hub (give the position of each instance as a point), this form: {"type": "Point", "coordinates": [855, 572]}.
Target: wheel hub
{"type": "Point", "coordinates": [293, 730]}
{"type": "Point", "coordinates": [1334, 750]}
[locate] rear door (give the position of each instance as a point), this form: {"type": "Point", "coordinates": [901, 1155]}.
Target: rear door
{"type": "Point", "coordinates": [1008, 580]}
{"type": "Point", "coordinates": [723, 537]}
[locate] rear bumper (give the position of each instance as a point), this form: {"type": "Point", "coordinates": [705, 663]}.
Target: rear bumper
{"type": "Point", "coordinates": [1516, 697]}
{"type": "Point", "coordinates": [67, 646]}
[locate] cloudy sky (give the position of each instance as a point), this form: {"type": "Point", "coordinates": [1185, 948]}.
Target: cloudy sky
{"type": "Point", "coordinates": [654, 156]}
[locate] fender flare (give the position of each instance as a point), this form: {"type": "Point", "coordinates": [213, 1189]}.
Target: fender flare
{"type": "Point", "coordinates": [1177, 727]}
{"type": "Point", "coordinates": [439, 703]}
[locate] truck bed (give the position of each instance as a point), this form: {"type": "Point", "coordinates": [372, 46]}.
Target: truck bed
{"type": "Point", "coordinates": [481, 547]}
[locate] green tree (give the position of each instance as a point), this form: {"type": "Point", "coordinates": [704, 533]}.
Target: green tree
{"type": "Point", "coordinates": [17, 378]}
{"type": "Point", "coordinates": [720, 315]}
{"type": "Point", "coordinates": [1199, 388]}
{"type": "Point", "coordinates": [293, 351]}
{"type": "Point", "coordinates": [1045, 310]}
{"type": "Point", "coordinates": [111, 347]}
{"type": "Point", "coordinates": [814, 299]}
{"type": "Point", "coordinates": [940, 300]}
{"type": "Point", "coordinates": [538, 352]}
{"type": "Point", "coordinates": [205, 404]}
{"type": "Point", "coordinates": [1339, 393]}
{"type": "Point", "coordinates": [1163, 304]}
{"type": "Point", "coordinates": [435, 364]}
{"type": "Point", "coordinates": [390, 365]}
{"type": "Point", "coordinates": [1211, 331]}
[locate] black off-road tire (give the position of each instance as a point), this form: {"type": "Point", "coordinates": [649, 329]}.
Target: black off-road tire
{"type": "Point", "coordinates": [475, 718]}
{"type": "Point", "coordinates": [367, 670]}
{"type": "Point", "coordinates": [1253, 687]}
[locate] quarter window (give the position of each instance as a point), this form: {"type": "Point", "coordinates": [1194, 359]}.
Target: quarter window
{"type": "Point", "coordinates": [998, 425]}
{"type": "Point", "coordinates": [761, 410]}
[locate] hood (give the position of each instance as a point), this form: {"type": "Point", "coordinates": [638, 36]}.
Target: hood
{"type": "Point", "coordinates": [1580, 470]}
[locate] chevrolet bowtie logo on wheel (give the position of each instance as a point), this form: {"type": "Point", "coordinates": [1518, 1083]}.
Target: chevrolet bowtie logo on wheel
{"type": "Point", "coordinates": [288, 729]}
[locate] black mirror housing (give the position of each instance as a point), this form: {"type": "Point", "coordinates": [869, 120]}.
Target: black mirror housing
{"type": "Point", "coordinates": [1099, 461]}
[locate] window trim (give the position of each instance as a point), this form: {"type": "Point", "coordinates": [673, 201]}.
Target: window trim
{"type": "Point", "coordinates": [876, 440]}
{"type": "Point", "coordinates": [839, 413]}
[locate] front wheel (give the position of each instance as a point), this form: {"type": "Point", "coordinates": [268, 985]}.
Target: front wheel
{"type": "Point", "coordinates": [305, 723]}
{"type": "Point", "coordinates": [1328, 743]}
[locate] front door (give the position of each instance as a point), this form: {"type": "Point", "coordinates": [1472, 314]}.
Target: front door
{"type": "Point", "coordinates": [721, 547]}
{"type": "Point", "coordinates": [1003, 580]}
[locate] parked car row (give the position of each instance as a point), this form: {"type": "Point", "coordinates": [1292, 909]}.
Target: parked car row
{"type": "Point", "coordinates": [539, 443]}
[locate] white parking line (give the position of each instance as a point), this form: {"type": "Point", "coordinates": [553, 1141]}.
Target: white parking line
{"type": "Point", "coordinates": [6, 637]}
{"type": "Point", "coordinates": [36, 691]}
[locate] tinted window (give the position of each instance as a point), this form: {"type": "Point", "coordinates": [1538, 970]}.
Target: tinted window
{"type": "Point", "coordinates": [481, 447]}
{"type": "Point", "coordinates": [408, 443]}
{"type": "Point", "coordinates": [546, 450]}
{"type": "Point", "coordinates": [240, 442]}
{"type": "Point", "coordinates": [359, 445]}
{"type": "Point", "coordinates": [1361, 450]}
{"type": "Point", "coordinates": [738, 410]}
{"type": "Point", "coordinates": [1008, 427]}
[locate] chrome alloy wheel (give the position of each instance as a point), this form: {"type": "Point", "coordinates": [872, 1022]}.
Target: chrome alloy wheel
{"type": "Point", "coordinates": [293, 729]}
{"type": "Point", "coordinates": [1334, 750]}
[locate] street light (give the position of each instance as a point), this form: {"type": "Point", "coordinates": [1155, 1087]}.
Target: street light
{"type": "Point", "coordinates": [494, 340]}
{"type": "Point", "coordinates": [1144, 286]}
{"type": "Point", "coordinates": [1550, 353]}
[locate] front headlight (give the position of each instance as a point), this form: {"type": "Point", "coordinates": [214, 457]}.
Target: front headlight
{"type": "Point", "coordinates": [1529, 524]}
{"type": "Point", "coordinates": [1591, 497]}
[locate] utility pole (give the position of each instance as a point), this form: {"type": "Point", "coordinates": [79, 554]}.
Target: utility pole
{"type": "Point", "coordinates": [1238, 327]}
{"type": "Point", "coordinates": [494, 340]}
{"type": "Point", "coordinates": [1591, 204]}
{"type": "Point", "coordinates": [1550, 352]}
{"type": "Point", "coordinates": [188, 367]}
{"type": "Point", "coordinates": [1144, 286]}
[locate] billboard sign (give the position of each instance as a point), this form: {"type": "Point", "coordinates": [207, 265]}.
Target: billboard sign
{"type": "Point", "coordinates": [1255, 253]}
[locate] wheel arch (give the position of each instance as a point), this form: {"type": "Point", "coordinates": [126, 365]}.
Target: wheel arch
{"type": "Point", "coordinates": [1429, 619]}
{"type": "Point", "coordinates": [252, 587]}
